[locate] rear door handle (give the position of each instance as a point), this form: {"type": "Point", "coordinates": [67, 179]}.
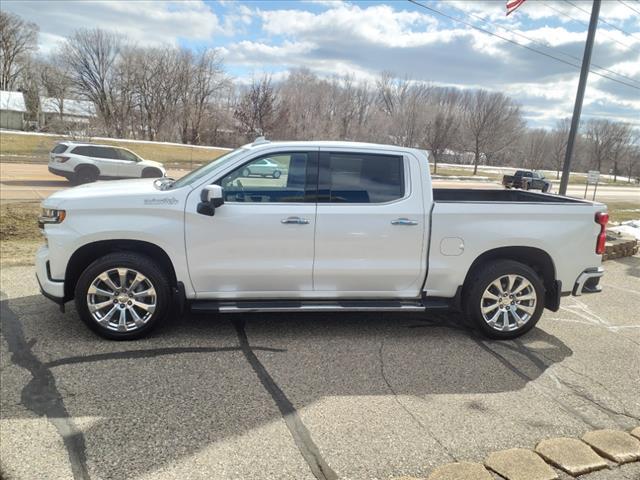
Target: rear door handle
{"type": "Point", "coordinates": [295, 221]}
{"type": "Point", "coordinates": [403, 221]}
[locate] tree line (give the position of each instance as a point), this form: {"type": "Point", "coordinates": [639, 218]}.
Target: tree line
{"type": "Point", "coordinates": [175, 94]}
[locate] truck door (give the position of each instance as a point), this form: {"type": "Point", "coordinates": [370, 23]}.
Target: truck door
{"type": "Point", "coordinates": [259, 244]}
{"type": "Point", "coordinates": [370, 225]}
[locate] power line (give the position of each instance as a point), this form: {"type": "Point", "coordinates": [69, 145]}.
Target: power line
{"type": "Point", "coordinates": [582, 22]}
{"type": "Point", "coordinates": [601, 19]}
{"type": "Point", "coordinates": [415, 2]}
{"type": "Point", "coordinates": [629, 7]}
{"type": "Point", "coordinates": [469, 14]}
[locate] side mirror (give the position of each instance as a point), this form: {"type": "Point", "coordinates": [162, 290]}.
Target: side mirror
{"type": "Point", "coordinates": [211, 197]}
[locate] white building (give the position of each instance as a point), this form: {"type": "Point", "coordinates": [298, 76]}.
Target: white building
{"type": "Point", "coordinates": [12, 110]}
{"type": "Point", "coordinates": [66, 110]}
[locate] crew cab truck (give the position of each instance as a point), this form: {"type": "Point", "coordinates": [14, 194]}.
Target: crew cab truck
{"type": "Point", "coordinates": [347, 226]}
{"type": "Point", "coordinates": [527, 180]}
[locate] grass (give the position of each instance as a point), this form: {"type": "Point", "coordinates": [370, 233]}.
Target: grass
{"type": "Point", "coordinates": [20, 236]}
{"type": "Point", "coordinates": [35, 148]}
{"type": "Point", "coordinates": [574, 178]}
{"type": "Point", "coordinates": [623, 211]}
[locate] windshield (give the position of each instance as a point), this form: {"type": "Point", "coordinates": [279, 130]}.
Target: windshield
{"type": "Point", "coordinates": [204, 170]}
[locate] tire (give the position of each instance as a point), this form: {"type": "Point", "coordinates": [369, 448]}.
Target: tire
{"type": "Point", "coordinates": [482, 284]}
{"type": "Point", "coordinates": [150, 310]}
{"type": "Point", "coordinates": [85, 175]}
{"type": "Point", "coordinates": [546, 188]}
{"type": "Point", "coordinates": [276, 174]}
{"type": "Point", "coordinates": [151, 173]}
{"type": "Point", "coordinates": [246, 172]}
{"type": "Point", "coordinates": [526, 186]}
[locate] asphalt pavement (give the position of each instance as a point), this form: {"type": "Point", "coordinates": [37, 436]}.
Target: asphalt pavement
{"type": "Point", "coordinates": [304, 396]}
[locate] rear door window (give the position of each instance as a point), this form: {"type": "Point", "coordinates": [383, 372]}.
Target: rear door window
{"type": "Point", "coordinates": [360, 178]}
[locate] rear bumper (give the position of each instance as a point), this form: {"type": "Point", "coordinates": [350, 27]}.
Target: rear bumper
{"type": "Point", "coordinates": [60, 172]}
{"type": "Point", "coordinates": [588, 281]}
{"type": "Point", "coordinates": [52, 289]}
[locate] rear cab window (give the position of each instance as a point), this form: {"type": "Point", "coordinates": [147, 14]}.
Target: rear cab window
{"type": "Point", "coordinates": [347, 177]}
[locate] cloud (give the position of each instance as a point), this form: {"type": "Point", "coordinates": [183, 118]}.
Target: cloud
{"type": "Point", "coordinates": [143, 22]}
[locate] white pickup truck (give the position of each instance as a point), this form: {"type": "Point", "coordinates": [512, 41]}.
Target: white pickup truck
{"type": "Point", "coordinates": [342, 227]}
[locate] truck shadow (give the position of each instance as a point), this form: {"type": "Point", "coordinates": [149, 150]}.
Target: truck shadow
{"type": "Point", "coordinates": [201, 379]}
{"type": "Point", "coordinates": [632, 264]}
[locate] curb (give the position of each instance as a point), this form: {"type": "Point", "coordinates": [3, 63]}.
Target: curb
{"type": "Point", "coordinates": [551, 459]}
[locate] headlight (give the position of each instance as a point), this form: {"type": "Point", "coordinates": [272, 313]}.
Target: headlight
{"type": "Point", "coordinates": [50, 215]}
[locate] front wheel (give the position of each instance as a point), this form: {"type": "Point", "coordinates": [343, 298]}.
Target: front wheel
{"type": "Point", "coordinates": [122, 296]}
{"type": "Point", "coordinates": [505, 299]}
{"type": "Point", "coordinates": [276, 174]}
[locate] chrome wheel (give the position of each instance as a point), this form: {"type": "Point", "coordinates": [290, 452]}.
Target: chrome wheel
{"type": "Point", "coordinates": [508, 303]}
{"type": "Point", "coordinates": [121, 299]}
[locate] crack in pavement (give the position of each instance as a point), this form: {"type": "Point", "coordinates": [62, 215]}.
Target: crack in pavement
{"type": "Point", "coordinates": [40, 395]}
{"type": "Point", "coordinates": [405, 408]}
{"type": "Point", "coordinates": [301, 436]}
{"type": "Point", "coordinates": [149, 353]}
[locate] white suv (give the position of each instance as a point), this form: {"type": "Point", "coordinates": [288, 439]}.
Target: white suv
{"type": "Point", "coordinates": [85, 163]}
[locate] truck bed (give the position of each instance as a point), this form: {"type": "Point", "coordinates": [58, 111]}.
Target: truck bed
{"type": "Point", "coordinates": [497, 195]}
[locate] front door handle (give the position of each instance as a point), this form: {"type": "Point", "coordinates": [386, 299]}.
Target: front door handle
{"type": "Point", "coordinates": [295, 221]}
{"type": "Point", "coordinates": [403, 221]}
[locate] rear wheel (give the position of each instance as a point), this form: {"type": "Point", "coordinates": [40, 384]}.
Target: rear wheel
{"type": "Point", "coordinates": [246, 172]}
{"type": "Point", "coordinates": [505, 299]}
{"type": "Point", "coordinates": [276, 174]}
{"type": "Point", "coordinates": [122, 296]}
{"type": "Point", "coordinates": [85, 175]}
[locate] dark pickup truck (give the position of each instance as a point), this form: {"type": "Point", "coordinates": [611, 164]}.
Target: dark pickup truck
{"type": "Point", "coordinates": [526, 180]}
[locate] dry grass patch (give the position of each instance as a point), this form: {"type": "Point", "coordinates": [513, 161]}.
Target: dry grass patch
{"type": "Point", "coordinates": [35, 148]}
{"type": "Point", "coordinates": [20, 236]}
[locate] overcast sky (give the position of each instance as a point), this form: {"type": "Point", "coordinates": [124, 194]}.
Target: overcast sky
{"type": "Point", "coordinates": [364, 38]}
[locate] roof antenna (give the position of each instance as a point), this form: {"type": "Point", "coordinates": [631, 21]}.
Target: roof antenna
{"type": "Point", "coordinates": [259, 141]}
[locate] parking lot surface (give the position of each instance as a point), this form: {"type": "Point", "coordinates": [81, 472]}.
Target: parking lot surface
{"type": "Point", "coordinates": [353, 396]}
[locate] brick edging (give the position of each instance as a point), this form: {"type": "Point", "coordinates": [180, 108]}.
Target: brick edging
{"type": "Point", "coordinates": [595, 450]}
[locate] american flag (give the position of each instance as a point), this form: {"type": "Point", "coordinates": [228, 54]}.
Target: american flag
{"type": "Point", "coordinates": [513, 4]}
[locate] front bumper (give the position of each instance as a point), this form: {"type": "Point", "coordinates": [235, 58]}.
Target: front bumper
{"type": "Point", "coordinates": [52, 289]}
{"type": "Point", "coordinates": [588, 281]}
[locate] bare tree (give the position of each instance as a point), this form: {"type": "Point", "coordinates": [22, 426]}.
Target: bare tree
{"type": "Point", "coordinates": [18, 40]}
{"type": "Point", "coordinates": [536, 148]}
{"type": "Point", "coordinates": [442, 123]}
{"type": "Point", "coordinates": [201, 77]}
{"type": "Point", "coordinates": [91, 57]}
{"type": "Point", "coordinates": [559, 139]}
{"type": "Point", "coordinates": [55, 83]}
{"type": "Point", "coordinates": [492, 121]}
{"type": "Point", "coordinates": [257, 110]}
{"type": "Point", "coordinates": [607, 141]}
{"type": "Point", "coordinates": [403, 104]}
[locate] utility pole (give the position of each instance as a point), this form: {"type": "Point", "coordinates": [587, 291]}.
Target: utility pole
{"type": "Point", "coordinates": [577, 109]}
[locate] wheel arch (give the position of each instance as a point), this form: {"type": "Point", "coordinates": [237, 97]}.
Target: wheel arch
{"type": "Point", "coordinates": [89, 166]}
{"type": "Point", "coordinates": [90, 252]}
{"type": "Point", "coordinates": [147, 170]}
{"type": "Point", "coordinates": [536, 258]}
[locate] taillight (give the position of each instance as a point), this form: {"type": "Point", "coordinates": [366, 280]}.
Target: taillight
{"type": "Point", "coordinates": [601, 219]}
{"type": "Point", "coordinates": [61, 159]}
